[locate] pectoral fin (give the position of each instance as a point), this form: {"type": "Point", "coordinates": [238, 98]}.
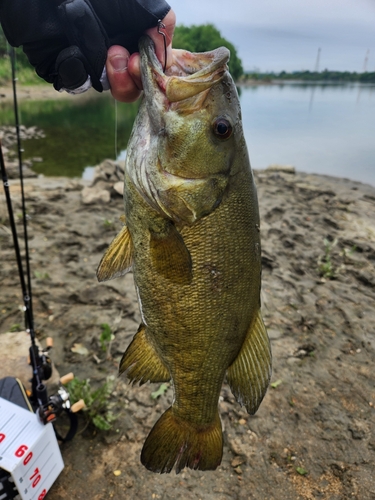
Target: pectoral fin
{"type": "Point", "coordinates": [249, 375]}
{"type": "Point", "coordinates": [142, 362]}
{"type": "Point", "coordinates": [170, 256]}
{"type": "Point", "coordinates": [118, 258]}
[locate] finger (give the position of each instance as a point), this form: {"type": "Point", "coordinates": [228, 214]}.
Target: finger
{"type": "Point", "coordinates": [123, 87]}
{"type": "Point", "coordinates": [134, 69]}
{"type": "Point", "coordinates": [169, 22]}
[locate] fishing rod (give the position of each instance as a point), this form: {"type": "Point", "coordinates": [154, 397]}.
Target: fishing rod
{"type": "Point", "coordinates": [40, 362]}
{"type": "Point", "coordinates": [19, 444]}
{"type": "Point", "coordinates": [46, 407]}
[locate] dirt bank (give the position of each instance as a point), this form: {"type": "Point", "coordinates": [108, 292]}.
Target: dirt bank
{"type": "Point", "coordinates": [313, 436]}
{"type": "Point", "coordinates": [40, 92]}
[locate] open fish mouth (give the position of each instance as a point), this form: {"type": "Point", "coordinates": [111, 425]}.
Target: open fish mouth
{"type": "Point", "coordinates": [190, 74]}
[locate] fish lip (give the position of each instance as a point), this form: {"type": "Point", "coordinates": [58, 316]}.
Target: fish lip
{"type": "Point", "coordinates": [204, 69]}
{"type": "Point", "coordinates": [148, 57]}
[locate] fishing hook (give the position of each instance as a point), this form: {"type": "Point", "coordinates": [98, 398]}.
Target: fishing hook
{"type": "Point", "coordinates": [160, 27]}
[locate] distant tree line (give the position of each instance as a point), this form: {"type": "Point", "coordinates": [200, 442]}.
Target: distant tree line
{"type": "Point", "coordinates": [200, 38]}
{"type": "Point", "coordinates": [203, 38]}
{"type": "Point", "coordinates": [313, 76]}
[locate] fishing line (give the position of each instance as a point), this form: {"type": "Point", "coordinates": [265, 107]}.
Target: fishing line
{"type": "Point", "coordinates": [116, 130]}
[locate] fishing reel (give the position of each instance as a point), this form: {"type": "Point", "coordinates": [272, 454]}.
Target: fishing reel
{"type": "Point", "coordinates": [59, 402]}
{"type": "Point", "coordinates": [48, 408]}
{"type": "Point", "coordinates": [40, 360]}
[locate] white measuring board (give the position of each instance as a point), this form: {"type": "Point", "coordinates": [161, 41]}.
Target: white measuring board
{"type": "Point", "coordinates": [28, 451]}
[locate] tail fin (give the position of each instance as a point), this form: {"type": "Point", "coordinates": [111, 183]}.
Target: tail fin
{"type": "Point", "coordinates": [174, 441]}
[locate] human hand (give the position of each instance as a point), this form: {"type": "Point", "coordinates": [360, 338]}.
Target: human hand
{"type": "Point", "coordinates": [67, 40]}
{"type": "Point", "coordinates": [123, 69]}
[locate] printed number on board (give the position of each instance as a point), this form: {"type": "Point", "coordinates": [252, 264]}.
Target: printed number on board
{"type": "Point", "coordinates": [21, 450]}
{"type": "Point", "coordinates": [28, 457]}
{"type": "Point", "coordinates": [35, 478]}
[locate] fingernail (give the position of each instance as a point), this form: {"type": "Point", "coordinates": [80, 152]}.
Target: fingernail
{"type": "Point", "coordinates": [119, 63]}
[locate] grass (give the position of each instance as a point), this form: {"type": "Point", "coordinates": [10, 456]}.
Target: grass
{"type": "Point", "coordinates": [25, 74]}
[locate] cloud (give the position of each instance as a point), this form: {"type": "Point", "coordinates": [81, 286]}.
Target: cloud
{"type": "Point", "coordinates": [286, 34]}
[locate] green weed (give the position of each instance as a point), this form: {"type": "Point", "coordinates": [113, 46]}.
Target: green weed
{"type": "Point", "coordinates": [108, 224]}
{"type": "Point", "coordinates": [160, 392]}
{"type": "Point", "coordinates": [301, 471]}
{"type": "Point", "coordinates": [41, 275]}
{"type": "Point", "coordinates": [106, 337]}
{"type": "Point", "coordinates": [325, 265]}
{"type": "Point", "coordinates": [15, 328]}
{"type": "Point", "coordinates": [96, 401]}
{"type": "Point", "coordinates": [276, 384]}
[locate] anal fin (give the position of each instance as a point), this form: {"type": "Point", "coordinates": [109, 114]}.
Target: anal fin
{"type": "Point", "coordinates": [118, 258]}
{"type": "Point", "coordinates": [249, 375]}
{"type": "Point", "coordinates": [141, 361]}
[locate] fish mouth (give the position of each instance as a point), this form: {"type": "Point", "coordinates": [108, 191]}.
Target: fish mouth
{"type": "Point", "coordinates": [191, 74]}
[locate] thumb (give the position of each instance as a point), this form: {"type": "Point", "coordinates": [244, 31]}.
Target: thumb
{"type": "Point", "coordinates": [123, 87]}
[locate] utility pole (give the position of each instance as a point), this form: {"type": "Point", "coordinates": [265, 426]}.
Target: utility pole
{"type": "Point", "coordinates": [366, 61]}
{"type": "Point", "coordinates": [317, 61]}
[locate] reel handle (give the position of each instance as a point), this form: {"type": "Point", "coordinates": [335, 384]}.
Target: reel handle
{"type": "Point", "coordinates": [78, 406]}
{"type": "Point", "coordinates": [65, 379]}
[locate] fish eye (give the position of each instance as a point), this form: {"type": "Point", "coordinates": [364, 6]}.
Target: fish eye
{"type": "Point", "coordinates": [222, 128]}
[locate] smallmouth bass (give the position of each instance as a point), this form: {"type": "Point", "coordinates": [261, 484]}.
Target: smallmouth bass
{"type": "Point", "coordinates": [192, 240]}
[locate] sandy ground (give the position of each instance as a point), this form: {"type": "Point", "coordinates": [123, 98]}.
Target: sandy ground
{"type": "Point", "coordinates": [319, 417]}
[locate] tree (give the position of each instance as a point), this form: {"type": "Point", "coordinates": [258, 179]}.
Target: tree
{"type": "Point", "coordinates": [205, 37]}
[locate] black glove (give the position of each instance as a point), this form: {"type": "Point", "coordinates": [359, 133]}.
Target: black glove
{"type": "Point", "coordinates": [66, 41]}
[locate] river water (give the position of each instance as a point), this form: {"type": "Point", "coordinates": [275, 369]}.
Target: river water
{"type": "Point", "coordinates": [325, 129]}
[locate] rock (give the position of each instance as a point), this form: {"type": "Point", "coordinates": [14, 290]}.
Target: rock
{"type": "Point", "coordinates": [237, 461]}
{"type": "Point", "coordinates": [119, 187]}
{"type": "Point", "coordinates": [108, 171]}
{"type": "Point", "coordinates": [286, 169]}
{"type": "Point", "coordinates": [91, 195]}
{"type": "Point", "coordinates": [237, 446]}
{"type": "Point", "coordinates": [15, 363]}
{"type": "Point", "coordinates": [13, 171]}
{"type": "Point", "coordinates": [274, 334]}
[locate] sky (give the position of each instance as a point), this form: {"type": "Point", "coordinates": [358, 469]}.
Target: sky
{"type": "Point", "coordinates": [276, 35]}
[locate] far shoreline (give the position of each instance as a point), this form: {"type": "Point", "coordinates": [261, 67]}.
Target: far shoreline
{"type": "Point", "coordinates": [44, 91]}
